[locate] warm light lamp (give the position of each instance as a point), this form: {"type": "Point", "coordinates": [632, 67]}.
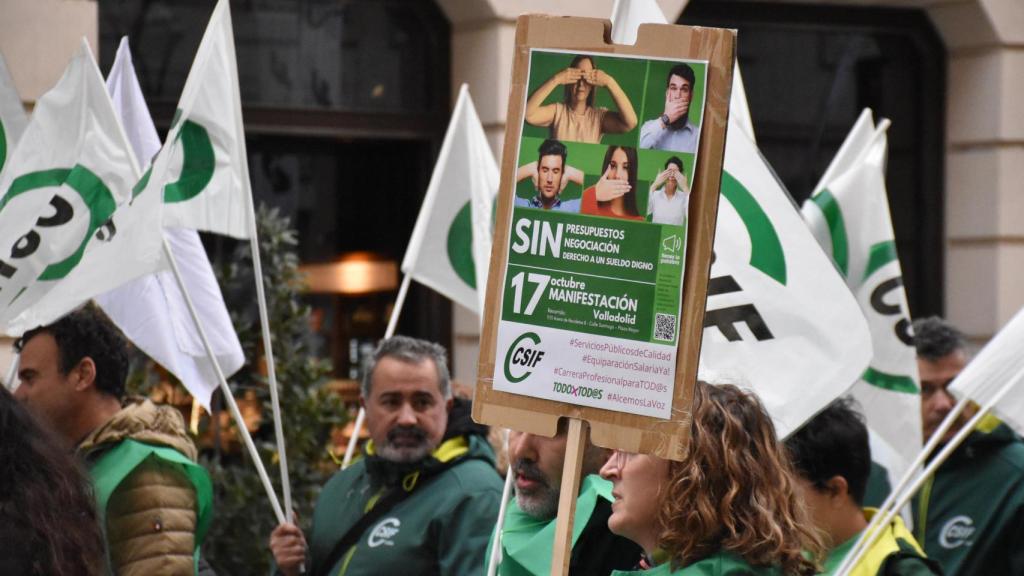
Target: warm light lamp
{"type": "Point", "coordinates": [353, 274]}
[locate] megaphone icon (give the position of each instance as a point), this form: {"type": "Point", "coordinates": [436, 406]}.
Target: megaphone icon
{"type": "Point", "coordinates": [672, 243]}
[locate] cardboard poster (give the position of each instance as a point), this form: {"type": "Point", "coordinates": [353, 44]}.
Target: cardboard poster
{"type": "Point", "coordinates": [594, 268]}
{"type": "Point", "coordinates": [605, 222]}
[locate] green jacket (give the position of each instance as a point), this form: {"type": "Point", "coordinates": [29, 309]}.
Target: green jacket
{"type": "Point", "coordinates": [893, 553]}
{"type": "Point", "coordinates": [970, 515]}
{"type": "Point", "coordinates": [442, 527]}
{"type": "Point", "coordinates": [527, 542]}
{"type": "Point", "coordinates": [720, 564]}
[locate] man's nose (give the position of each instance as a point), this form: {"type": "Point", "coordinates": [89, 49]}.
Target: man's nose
{"type": "Point", "coordinates": [406, 415]}
{"type": "Point", "coordinates": [522, 448]}
{"type": "Point", "coordinates": [944, 401]}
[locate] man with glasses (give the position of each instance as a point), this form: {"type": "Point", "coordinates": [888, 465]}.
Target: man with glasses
{"type": "Point", "coordinates": [969, 516]}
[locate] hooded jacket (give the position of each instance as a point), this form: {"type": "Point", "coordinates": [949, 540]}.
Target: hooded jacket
{"type": "Point", "coordinates": [440, 527]}
{"type": "Point", "coordinates": [153, 499]}
{"type": "Point", "coordinates": [970, 515]}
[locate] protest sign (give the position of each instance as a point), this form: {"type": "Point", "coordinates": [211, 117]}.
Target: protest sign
{"type": "Point", "coordinates": [602, 246]}
{"type": "Point", "coordinates": [594, 311]}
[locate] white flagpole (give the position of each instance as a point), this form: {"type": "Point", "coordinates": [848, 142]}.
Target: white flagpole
{"type": "Point", "coordinates": [268, 352]}
{"type": "Point", "coordinates": [898, 499]}
{"type": "Point", "coordinates": [12, 372]}
{"type": "Point", "coordinates": [228, 396]}
{"type": "Point", "coordinates": [388, 333]}
{"type": "Point", "coordinates": [495, 561]}
{"type": "Point", "coordinates": [254, 246]}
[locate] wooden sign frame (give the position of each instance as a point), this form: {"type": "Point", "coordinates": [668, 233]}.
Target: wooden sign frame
{"type": "Point", "coordinates": [610, 429]}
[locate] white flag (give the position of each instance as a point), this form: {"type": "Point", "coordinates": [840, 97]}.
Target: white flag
{"type": "Point", "coordinates": [779, 318]}
{"type": "Point", "coordinates": [12, 115]}
{"type": "Point", "coordinates": [72, 168]}
{"type": "Point", "coordinates": [996, 365]}
{"type": "Point", "coordinates": [151, 310]}
{"type": "Point", "coordinates": [453, 229]}
{"type": "Point", "coordinates": [206, 143]}
{"type": "Point", "coordinates": [628, 15]}
{"type": "Point", "coordinates": [849, 215]}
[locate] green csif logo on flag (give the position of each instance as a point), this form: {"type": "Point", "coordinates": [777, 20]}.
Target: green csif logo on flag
{"type": "Point", "coordinates": [3, 145]}
{"type": "Point", "coordinates": [93, 193]}
{"type": "Point", "coordinates": [460, 245]}
{"type": "Point", "coordinates": [197, 165]}
{"type": "Point", "coordinates": [766, 256]}
{"type": "Point", "coordinates": [766, 253]}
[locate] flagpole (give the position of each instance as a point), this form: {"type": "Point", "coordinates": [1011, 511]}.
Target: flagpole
{"type": "Point", "coordinates": [268, 352]}
{"type": "Point", "coordinates": [898, 499]}
{"type": "Point", "coordinates": [495, 554]}
{"type": "Point", "coordinates": [228, 396]}
{"type": "Point", "coordinates": [388, 333]}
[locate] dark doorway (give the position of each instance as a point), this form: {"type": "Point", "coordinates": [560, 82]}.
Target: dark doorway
{"type": "Point", "coordinates": [810, 70]}
{"type": "Point", "coordinates": [345, 104]}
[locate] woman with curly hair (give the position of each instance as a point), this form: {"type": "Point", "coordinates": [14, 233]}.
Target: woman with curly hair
{"type": "Point", "coordinates": [48, 524]}
{"type": "Point", "coordinates": [728, 508]}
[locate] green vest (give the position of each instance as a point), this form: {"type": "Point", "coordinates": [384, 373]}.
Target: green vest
{"type": "Point", "coordinates": [116, 464]}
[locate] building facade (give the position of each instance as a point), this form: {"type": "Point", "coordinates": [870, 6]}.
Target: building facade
{"type": "Point", "coordinates": [957, 153]}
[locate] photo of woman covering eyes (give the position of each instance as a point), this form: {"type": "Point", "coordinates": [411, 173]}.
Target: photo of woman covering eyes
{"type": "Point", "coordinates": [576, 118]}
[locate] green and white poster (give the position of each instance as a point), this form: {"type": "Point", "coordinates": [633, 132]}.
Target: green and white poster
{"type": "Point", "coordinates": [593, 280]}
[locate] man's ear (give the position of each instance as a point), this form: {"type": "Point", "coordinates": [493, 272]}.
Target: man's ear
{"type": "Point", "coordinates": [449, 404]}
{"type": "Point", "coordinates": [86, 374]}
{"type": "Point", "coordinates": [837, 488]}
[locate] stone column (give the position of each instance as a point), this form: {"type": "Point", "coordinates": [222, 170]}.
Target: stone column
{"type": "Point", "coordinates": [984, 162]}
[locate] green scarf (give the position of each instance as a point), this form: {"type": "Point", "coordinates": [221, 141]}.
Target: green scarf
{"type": "Point", "coordinates": [527, 542]}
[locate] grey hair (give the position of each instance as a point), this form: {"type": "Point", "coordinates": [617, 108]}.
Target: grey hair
{"type": "Point", "coordinates": [413, 351]}
{"type": "Point", "coordinates": [935, 338]}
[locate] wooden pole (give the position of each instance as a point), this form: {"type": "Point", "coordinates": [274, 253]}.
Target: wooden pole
{"type": "Point", "coordinates": [574, 447]}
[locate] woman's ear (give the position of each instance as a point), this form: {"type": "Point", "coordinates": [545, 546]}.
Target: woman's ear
{"type": "Point", "coordinates": [838, 489]}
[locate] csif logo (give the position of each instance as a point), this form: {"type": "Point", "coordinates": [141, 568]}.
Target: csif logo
{"type": "Point", "coordinates": [522, 356]}
{"type": "Point", "coordinates": [957, 532]}
{"type": "Point", "coordinates": [383, 534]}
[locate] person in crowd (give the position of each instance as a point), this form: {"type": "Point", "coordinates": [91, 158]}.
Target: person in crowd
{"type": "Point", "coordinates": [154, 502]}
{"type": "Point", "coordinates": [670, 194]}
{"type": "Point", "coordinates": [576, 118]}
{"type": "Point", "coordinates": [529, 527]}
{"type": "Point", "coordinates": [424, 498]}
{"type": "Point", "coordinates": [550, 175]}
{"type": "Point", "coordinates": [614, 194]}
{"type": "Point", "coordinates": [48, 523]}
{"type": "Point", "coordinates": [970, 515]}
{"type": "Point", "coordinates": [729, 507]}
{"type": "Point", "coordinates": [672, 130]}
{"type": "Point", "coordinates": [833, 462]}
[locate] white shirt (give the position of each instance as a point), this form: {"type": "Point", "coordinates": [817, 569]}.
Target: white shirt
{"type": "Point", "coordinates": [667, 210]}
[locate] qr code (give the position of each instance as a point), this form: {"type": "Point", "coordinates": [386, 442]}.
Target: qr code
{"type": "Point", "coordinates": [664, 326]}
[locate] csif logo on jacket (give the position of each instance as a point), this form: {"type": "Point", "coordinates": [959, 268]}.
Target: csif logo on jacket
{"type": "Point", "coordinates": [956, 532]}
{"type": "Point", "coordinates": [384, 532]}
